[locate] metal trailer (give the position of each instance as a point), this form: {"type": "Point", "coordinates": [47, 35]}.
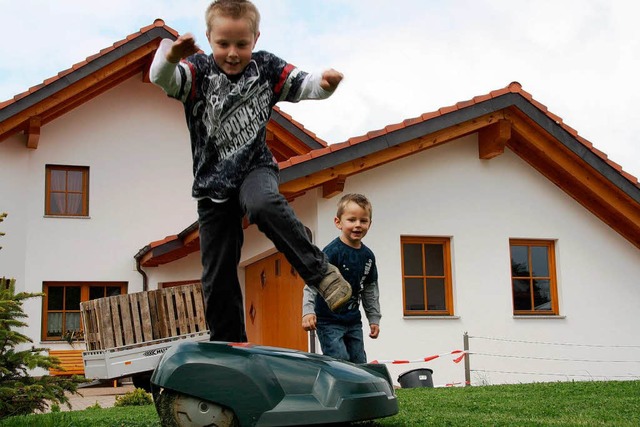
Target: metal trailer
{"type": "Point", "coordinates": [126, 335]}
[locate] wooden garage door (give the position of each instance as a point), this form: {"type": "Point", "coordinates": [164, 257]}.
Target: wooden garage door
{"type": "Point", "coordinates": [273, 304]}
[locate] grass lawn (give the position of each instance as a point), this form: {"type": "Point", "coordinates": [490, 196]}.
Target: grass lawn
{"type": "Point", "coordinates": [612, 403]}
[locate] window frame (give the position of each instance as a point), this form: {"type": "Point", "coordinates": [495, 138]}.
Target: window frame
{"type": "Point", "coordinates": [445, 242]}
{"type": "Point", "coordinates": [164, 285]}
{"type": "Point", "coordinates": [85, 288]}
{"type": "Point", "coordinates": [552, 277]}
{"type": "Point", "coordinates": [84, 192]}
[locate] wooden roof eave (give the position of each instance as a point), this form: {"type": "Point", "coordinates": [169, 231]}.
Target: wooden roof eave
{"type": "Point", "coordinates": [294, 134]}
{"type": "Point", "coordinates": [355, 158]}
{"type": "Point", "coordinates": [286, 139]}
{"type": "Point", "coordinates": [171, 249]}
{"type": "Point", "coordinates": [378, 151]}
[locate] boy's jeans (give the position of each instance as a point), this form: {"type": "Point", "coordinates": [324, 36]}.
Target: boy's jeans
{"type": "Point", "coordinates": [344, 342]}
{"type": "Point", "coordinates": [221, 238]}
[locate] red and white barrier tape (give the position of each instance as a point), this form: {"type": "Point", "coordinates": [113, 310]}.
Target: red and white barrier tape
{"type": "Point", "coordinates": [455, 384]}
{"type": "Point", "coordinates": [461, 353]}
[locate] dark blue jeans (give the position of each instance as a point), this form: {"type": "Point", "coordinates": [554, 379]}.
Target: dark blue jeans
{"type": "Point", "coordinates": [221, 239]}
{"type": "Point", "coordinates": [344, 342]}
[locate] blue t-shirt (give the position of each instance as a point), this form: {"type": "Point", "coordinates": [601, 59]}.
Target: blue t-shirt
{"type": "Point", "coordinates": [358, 267]}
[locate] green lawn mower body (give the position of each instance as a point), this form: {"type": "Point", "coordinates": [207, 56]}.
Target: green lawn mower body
{"type": "Point", "coordinates": [251, 385]}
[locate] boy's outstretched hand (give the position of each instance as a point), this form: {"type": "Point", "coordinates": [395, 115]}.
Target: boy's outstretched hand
{"type": "Point", "coordinates": [182, 47]}
{"type": "Point", "coordinates": [331, 79]}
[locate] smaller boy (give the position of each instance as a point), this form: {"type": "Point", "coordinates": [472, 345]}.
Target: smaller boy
{"type": "Point", "coordinates": [340, 333]}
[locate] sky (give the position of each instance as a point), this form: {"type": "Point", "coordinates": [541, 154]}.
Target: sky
{"type": "Point", "coordinates": [400, 58]}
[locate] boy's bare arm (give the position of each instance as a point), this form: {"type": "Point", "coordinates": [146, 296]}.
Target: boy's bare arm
{"type": "Point", "coordinates": [183, 47]}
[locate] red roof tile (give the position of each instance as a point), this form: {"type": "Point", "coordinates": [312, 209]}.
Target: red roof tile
{"type": "Point", "coordinates": [412, 121]}
{"type": "Point", "coordinates": [481, 98]}
{"type": "Point", "coordinates": [339, 146]}
{"type": "Point", "coordinates": [461, 105]}
{"type": "Point", "coordinates": [318, 153]}
{"type": "Point", "coordinates": [447, 110]}
{"type": "Point", "coordinates": [358, 139]}
{"type": "Point", "coordinates": [376, 133]}
{"type": "Point", "coordinates": [429, 116]}
{"type": "Point", "coordinates": [500, 92]}
{"type": "Point", "coordinates": [163, 241]}
{"type": "Point", "coordinates": [391, 128]}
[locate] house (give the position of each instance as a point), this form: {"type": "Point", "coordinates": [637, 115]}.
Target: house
{"type": "Point", "coordinates": [495, 225]}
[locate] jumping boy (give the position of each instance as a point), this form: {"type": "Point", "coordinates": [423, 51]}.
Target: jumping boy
{"type": "Point", "coordinates": [340, 333]}
{"type": "Point", "coordinates": [228, 97]}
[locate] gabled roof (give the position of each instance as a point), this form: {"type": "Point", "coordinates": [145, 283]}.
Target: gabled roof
{"type": "Point", "coordinates": [29, 111]}
{"type": "Point", "coordinates": [506, 118]}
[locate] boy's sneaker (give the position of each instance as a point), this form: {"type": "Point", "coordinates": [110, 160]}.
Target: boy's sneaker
{"type": "Point", "coordinates": [334, 289]}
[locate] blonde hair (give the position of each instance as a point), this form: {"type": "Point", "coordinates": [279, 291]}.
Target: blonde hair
{"type": "Point", "coordinates": [235, 9]}
{"type": "Point", "coordinates": [356, 198]}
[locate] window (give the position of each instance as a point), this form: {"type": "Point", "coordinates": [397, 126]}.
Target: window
{"type": "Point", "coordinates": [426, 276]}
{"type": "Point", "coordinates": [67, 191]}
{"type": "Point", "coordinates": [61, 308]}
{"type": "Point", "coordinates": [164, 285]}
{"type": "Point", "coordinates": [533, 277]}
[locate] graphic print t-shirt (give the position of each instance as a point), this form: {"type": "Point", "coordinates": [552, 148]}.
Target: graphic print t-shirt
{"type": "Point", "coordinates": [227, 117]}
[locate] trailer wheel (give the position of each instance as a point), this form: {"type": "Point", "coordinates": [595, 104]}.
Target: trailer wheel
{"type": "Point", "coordinates": [143, 381]}
{"type": "Point", "coordinates": [180, 410]}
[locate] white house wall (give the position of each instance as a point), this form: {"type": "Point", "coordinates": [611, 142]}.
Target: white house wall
{"type": "Point", "coordinates": [13, 201]}
{"type": "Point", "coordinates": [136, 145]}
{"type": "Point", "coordinates": [481, 204]}
{"type": "Point", "coordinates": [187, 268]}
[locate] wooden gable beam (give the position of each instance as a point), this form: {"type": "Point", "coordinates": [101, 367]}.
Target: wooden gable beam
{"type": "Point", "coordinates": [146, 74]}
{"type": "Point", "coordinates": [287, 141]}
{"type": "Point", "coordinates": [333, 187]}
{"type": "Point", "coordinates": [270, 136]}
{"type": "Point", "coordinates": [33, 132]}
{"type": "Point", "coordinates": [493, 139]}
{"type": "Point", "coordinates": [292, 196]}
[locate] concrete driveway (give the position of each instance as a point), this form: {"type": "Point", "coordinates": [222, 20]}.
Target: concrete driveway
{"type": "Point", "coordinates": [103, 394]}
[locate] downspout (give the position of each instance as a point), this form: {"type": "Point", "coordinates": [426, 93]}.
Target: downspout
{"type": "Point", "coordinates": [145, 279]}
{"type": "Point", "coordinates": [138, 257]}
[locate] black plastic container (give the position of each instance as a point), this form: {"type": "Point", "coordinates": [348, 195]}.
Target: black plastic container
{"type": "Point", "coordinates": [416, 378]}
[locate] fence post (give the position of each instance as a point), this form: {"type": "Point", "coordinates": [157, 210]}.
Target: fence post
{"type": "Point", "coordinates": [467, 367]}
